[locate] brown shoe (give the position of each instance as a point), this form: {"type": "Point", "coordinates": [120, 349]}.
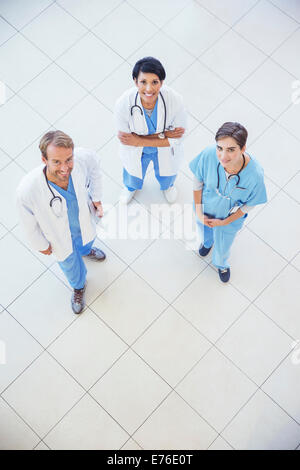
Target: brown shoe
{"type": "Point", "coordinates": [77, 300]}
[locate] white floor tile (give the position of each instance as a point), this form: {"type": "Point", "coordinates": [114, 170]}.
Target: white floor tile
{"type": "Point", "coordinates": [167, 9]}
{"type": "Point", "coordinates": [271, 188]}
{"type": "Point", "coordinates": [168, 267]}
{"type": "Point", "coordinates": [110, 89]}
{"type": "Point", "coordinates": [174, 425]}
{"type": "Point", "coordinates": [97, 61]}
{"type": "Point", "coordinates": [202, 90]}
{"type": "Point", "coordinates": [276, 386]}
{"type": "Point", "coordinates": [291, 8]}
{"type": "Point", "coordinates": [87, 349]}
{"type": "Point", "coordinates": [216, 389]}
{"type": "Point", "coordinates": [236, 66]}
{"type": "Point", "coordinates": [287, 54]}
{"type": "Point", "coordinates": [220, 444]}
{"type": "Point", "coordinates": [30, 158]}
{"type": "Point", "coordinates": [237, 108]}
{"type": "Point", "coordinates": [264, 96]}
{"type": "Point", "coordinates": [110, 161]}
{"type": "Point", "coordinates": [95, 130]}
{"type": "Point", "coordinates": [44, 316]}
{"type": "Point", "coordinates": [293, 187]}
{"type": "Point", "coordinates": [4, 159]}
{"type": "Point", "coordinates": [285, 237]}
{"type": "Point", "coordinates": [290, 119]}
{"type": "Point", "coordinates": [19, 13]}
{"type": "Point", "coordinates": [131, 445]}
{"type": "Point", "coordinates": [6, 31]}
{"type": "Point", "coordinates": [16, 259]}
{"type": "Point", "coordinates": [254, 264]}
{"type": "Point", "coordinates": [86, 427]}
{"type": "Point", "coordinates": [129, 315]}
{"type": "Point", "coordinates": [3, 231]}
{"type": "Point", "coordinates": [15, 114]}
{"type": "Point", "coordinates": [174, 58]}
{"type": "Point", "coordinates": [20, 349]}
{"type": "Point", "coordinates": [271, 157]}
{"type": "Point", "coordinates": [22, 60]}
{"type": "Point", "coordinates": [41, 446]}
{"type": "Point", "coordinates": [230, 12]}
{"type": "Point", "coordinates": [210, 305]}
{"type": "Point", "coordinates": [52, 93]}
{"type": "Point", "coordinates": [43, 394]}
{"type": "Point", "coordinates": [185, 346]}
{"type": "Point", "coordinates": [10, 178]}
{"type": "Point", "coordinates": [202, 31]}
{"type": "Point", "coordinates": [296, 261]}
{"type": "Point", "coordinates": [67, 31]}
{"type": "Point", "coordinates": [262, 425]}
{"type": "Point", "coordinates": [255, 344]}
{"type": "Point", "coordinates": [91, 12]}
{"type": "Point", "coordinates": [266, 35]}
{"type": "Point", "coordinates": [124, 392]}
{"type": "Point", "coordinates": [111, 193]}
{"type": "Point", "coordinates": [14, 433]}
{"type": "Point", "coordinates": [194, 143]}
{"type": "Point", "coordinates": [280, 301]}
{"type": "Point", "coordinates": [131, 41]}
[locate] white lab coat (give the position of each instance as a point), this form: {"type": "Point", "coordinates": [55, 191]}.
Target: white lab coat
{"type": "Point", "coordinates": [169, 158]}
{"type": "Point", "coordinates": [38, 220]}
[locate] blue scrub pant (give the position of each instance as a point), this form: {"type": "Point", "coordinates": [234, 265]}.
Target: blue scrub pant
{"type": "Point", "coordinates": [222, 239]}
{"type": "Point", "coordinates": [73, 266]}
{"type": "Point", "coordinates": [133, 183]}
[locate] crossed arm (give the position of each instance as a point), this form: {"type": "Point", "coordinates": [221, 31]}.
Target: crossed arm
{"type": "Point", "coordinates": [153, 140]}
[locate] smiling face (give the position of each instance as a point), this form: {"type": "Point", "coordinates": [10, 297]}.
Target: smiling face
{"type": "Point", "coordinates": [229, 152]}
{"type": "Point", "coordinates": [148, 85]}
{"type": "Point", "coordinates": [59, 164]}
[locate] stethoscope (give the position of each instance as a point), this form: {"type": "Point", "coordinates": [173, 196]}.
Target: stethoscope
{"type": "Point", "coordinates": [170, 128]}
{"type": "Point", "coordinates": [56, 203]}
{"type": "Point", "coordinates": [228, 179]}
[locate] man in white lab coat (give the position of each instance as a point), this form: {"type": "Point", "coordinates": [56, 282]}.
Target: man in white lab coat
{"type": "Point", "coordinates": [58, 203]}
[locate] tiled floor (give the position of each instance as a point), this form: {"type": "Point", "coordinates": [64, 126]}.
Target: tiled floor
{"type": "Point", "coordinates": [165, 356]}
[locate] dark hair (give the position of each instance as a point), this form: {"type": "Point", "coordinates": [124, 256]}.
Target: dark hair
{"type": "Point", "coordinates": [149, 65]}
{"type": "Point", "coordinates": [234, 130]}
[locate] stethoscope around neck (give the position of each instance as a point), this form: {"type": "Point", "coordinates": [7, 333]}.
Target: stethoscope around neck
{"type": "Point", "coordinates": [228, 179]}
{"type": "Point", "coordinates": [56, 203]}
{"type": "Point", "coordinates": [170, 128]}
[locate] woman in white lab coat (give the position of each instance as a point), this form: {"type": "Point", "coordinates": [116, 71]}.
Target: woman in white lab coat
{"type": "Point", "coordinates": [151, 121]}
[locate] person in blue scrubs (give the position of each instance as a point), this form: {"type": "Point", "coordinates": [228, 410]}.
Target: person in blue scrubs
{"type": "Point", "coordinates": [228, 183]}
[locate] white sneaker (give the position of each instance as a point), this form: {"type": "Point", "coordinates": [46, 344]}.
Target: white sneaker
{"type": "Point", "coordinates": [171, 194]}
{"type": "Point", "coordinates": [126, 196]}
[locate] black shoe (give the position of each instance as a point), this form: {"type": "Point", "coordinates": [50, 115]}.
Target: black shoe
{"type": "Point", "coordinates": [204, 251]}
{"type": "Point", "coordinates": [224, 274]}
{"type": "Point", "coordinates": [77, 300]}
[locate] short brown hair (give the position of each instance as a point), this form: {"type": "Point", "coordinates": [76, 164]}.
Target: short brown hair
{"type": "Point", "coordinates": [235, 130]}
{"type": "Point", "coordinates": [58, 139]}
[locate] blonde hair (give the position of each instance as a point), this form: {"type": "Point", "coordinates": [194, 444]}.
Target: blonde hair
{"type": "Point", "coordinates": [57, 138]}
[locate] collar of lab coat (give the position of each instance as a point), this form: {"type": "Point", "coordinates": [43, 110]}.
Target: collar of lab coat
{"type": "Point", "coordinates": [139, 120]}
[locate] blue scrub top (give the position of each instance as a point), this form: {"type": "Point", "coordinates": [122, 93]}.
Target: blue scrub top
{"type": "Point", "coordinates": [205, 168]}
{"type": "Point", "coordinates": [73, 210]}
{"type": "Point", "coordinates": [151, 124]}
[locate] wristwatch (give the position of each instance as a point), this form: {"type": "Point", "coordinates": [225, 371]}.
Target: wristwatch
{"type": "Point", "coordinates": [161, 135]}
